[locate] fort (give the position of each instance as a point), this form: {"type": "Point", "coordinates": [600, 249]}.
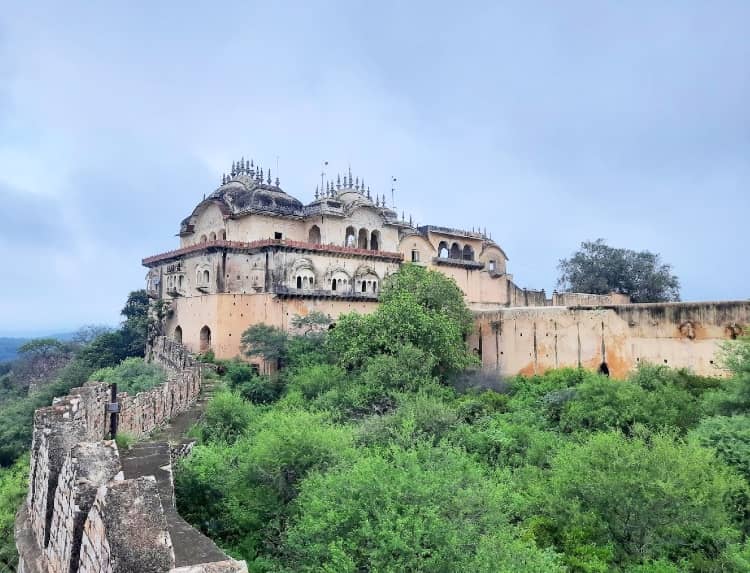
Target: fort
{"type": "Point", "coordinates": [251, 253]}
{"type": "Point", "coordinates": [92, 508]}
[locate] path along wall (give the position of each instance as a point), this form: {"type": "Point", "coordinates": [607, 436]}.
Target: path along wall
{"type": "Point", "coordinates": [81, 515]}
{"type": "Point", "coordinates": [682, 335]}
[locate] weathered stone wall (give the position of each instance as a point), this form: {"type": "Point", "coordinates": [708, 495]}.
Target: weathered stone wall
{"type": "Point", "coordinates": [586, 299]}
{"type": "Point", "coordinates": [682, 335]}
{"type": "Point", "coordinates": [80, 513]}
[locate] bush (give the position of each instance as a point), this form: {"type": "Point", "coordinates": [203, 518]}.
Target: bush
{"type": "Point", "coordinates": [729, 437]}
{"type": "Point", "coordinates": [13, 489]}
{"type": "Point", "coordinates": [132, 375]}
{"type": "Point", "coordinates": [124, 440]}
{"type": "Point", "coordinates": [655, 499]}
{"type": "Point", "coordinates": [402, 511]}
{"type": "Point", "coordinates": [227, 417]}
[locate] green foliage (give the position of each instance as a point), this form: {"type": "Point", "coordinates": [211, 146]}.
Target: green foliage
{"type": "Point", "coordinates": [645, 499]}
{"type": "Point", "coordinates": [13, 489]}
{"type": "Point", "coordinates": [311, 323]}
{"type": "Point", "coordinates": [265, 341]}
{"type": "Point", "coordinates": [124, 440]}
{"type": "Point", "coordinates": [132, 375]}
{"type": "Point", "coordinates": [239, 490]}
{"type": "Point", "coordinates": [258, 389]}
{"type": "Point", "coordinates": [408, 316]}
{"type": "Point", "coordinates": [600, 269]}
{"type": "Point", "coordinates": [730, 437]}
{"type": "Point", "coordinates": [226, 418]}
{"type": "Point", "coordinates": [402, 511]}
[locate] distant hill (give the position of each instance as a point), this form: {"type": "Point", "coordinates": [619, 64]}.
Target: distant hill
{"type": "Point", "coordinates": [10, 345]}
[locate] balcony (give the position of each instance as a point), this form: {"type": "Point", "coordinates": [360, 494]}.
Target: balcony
{"type": "Point", "coordinates": [287, 292]}
{"type": "Point", "coordinates": [458, 263]}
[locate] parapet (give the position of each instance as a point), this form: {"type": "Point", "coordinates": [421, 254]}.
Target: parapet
{"type": "Point", "coordinates": [81, 515]}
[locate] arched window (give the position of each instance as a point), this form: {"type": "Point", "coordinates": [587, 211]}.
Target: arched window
{"type": "Point", "coordinates": [314, 235]}
{"type": "Point", "coordinates": [205, 338]}
{"type": "Point", "coordinates": [350, 237]}
{"type": "Point", "coordinates": [299, 282]}
{"type": "Point", "coordinates": [178, 334]}
{"type": "Point", "coordinates": [443, 250]}
{"type": "Point", "coordinates": [364, 286]}
{"type": "Point", "coordinates": [333, 284]}
{"type": "Point", "coordinates": [179, 281]}
{"type": "Point", "coordinates": [455, 251]}
{"type": "Point", "coordinates": [375, 240]}
{"type": "Point", "coordinates": [206, 277]}
{"type": "Point", "coordinates": [204, 238]}
{"type": "Point", "coordinates": [468, 253]}
{"type": "Point", "coordinates": [362, 239]}
{"type": "Point", "coordinates": [212, 236]}
{"type": "Point", "coordinates": [223, 235]}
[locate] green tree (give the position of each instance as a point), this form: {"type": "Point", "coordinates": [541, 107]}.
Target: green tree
{"type": "Point", "coordinates": [423, 509]}
{"type": "Point", "coordinates": [13, 489]}
{"type": "Point", "coordinates": [645, 499]}
{"type": "Point", "coordinates": [265, 341]}
{"type": "Point", "coordinates": [729, 437]}
{"type": "Point", "coordinates": [600, 269]}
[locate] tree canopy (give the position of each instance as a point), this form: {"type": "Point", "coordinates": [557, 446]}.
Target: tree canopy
{"type": "Point", "coordinates": [598, 268]}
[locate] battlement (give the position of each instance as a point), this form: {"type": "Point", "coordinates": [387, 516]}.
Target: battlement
{"type": "Point", "coordinates": [81, 513]}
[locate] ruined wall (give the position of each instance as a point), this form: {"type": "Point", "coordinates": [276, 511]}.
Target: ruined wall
{"type": "Point", "coordinates": [586, 299]}
{"type": "Point", "coordinates": [531, 340]}
{"type": "Point", "coordinates": [80, 514]}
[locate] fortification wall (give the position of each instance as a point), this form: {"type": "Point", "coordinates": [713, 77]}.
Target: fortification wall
{"type": "Point", "coordinates": [682, 335]}
{"type": "Point", "coordinates": [80, 514]}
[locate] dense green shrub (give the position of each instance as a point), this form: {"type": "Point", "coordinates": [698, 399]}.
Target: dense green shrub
{"type": "Point", "coordinates": [13, 488]}
{"type": "Point", "coordinates": [655, 498]}
{"type": "Point", "coordinates": [132, 375]}
{"type": "Point", "coordinates": [404, 510]}
{"type": "Point", "coordinates": [730, 437]}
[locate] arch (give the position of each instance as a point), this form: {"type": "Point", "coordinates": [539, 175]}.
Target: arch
{"type": "Point", "coordinates": [350, 237]}
{"type": "Point", "coordinates": [455, 251]}
{"type": "Point", "coordinates": [468, 253]}
{"type": "Point", "coordinates": [362, 239]}
{"type": "Point", "coordinates": [375, 241]}
{"type": "Point", "coordinates": [205, 338]}
{"type": "Point", "coordinates": [603, 369]}
{"type": "Point", "coordinates": [223, 235]}
{"type": "Point", "coordinates": [178, 334]}
{"type": "Point", "coordinates": [313, 236]}
{"type": "Point", "coordinates": [204, 238]}
{"type": "Point", "coordinates": [206, 277]}
{"type": "Point", "coordinates": [443, 250]}
{"type": "Point", "coordinates": [212, 236]}
{"type": "Point", "coordinates": [299, 281]}
{"type": "Point", "coordinates": [180, 280]}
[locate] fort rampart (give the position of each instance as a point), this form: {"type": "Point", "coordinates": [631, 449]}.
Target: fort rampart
{"type": "Point", "coordinates": [614, 337]}
{"type": "Point", "coordinates": [81, 514]}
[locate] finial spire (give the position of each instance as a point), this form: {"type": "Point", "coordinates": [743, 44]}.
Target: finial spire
{"type": "Point", "coordinates": [338, 181]}
{"type": "Point", "coordinates": [276, 182]}
{"type": "Point", "coordinates": [350, 176]}
{"type": "Point", "coordinates": [368, 190]}
{"type": "Point", "coordinates": [242, 165]}
{"type": "Point", "coordinates": [269, 176]}
{"type": "Point", "coordinates": [261, 175]}
{"type": "Point", "coordinates": [356, 184]}
{"type": "Point", "coordinates": [233, 172]}
{"type": "Point", "coordinates": [316, 192]}
{"type": "Point", "coordinates": [411, 221]}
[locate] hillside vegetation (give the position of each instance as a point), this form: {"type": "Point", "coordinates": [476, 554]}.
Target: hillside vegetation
{"type": "Point", "coordinates": [360, 455]}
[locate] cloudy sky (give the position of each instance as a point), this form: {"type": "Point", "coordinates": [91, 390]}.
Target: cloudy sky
{"type": "Point", "coordinates": [548, 123]}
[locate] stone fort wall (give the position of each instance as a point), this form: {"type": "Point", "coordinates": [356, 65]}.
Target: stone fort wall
{"type": "Point", "coordinates": [81, 515]}
{"type": "Point", "coordinates": [534, 339]}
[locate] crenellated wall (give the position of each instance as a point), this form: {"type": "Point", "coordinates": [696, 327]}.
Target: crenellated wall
{"type": "Point", "coordinates": [81, 514]}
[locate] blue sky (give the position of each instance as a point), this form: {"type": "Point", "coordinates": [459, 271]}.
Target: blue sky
{"type": "Point", "coordinates": [549, 123]}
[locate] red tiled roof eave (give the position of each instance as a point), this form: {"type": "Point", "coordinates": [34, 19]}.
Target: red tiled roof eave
{"type": "Point", "coordinates": [240, 245]}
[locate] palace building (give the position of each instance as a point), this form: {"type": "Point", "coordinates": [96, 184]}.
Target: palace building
{"type": "Point", "coordinates": [251, 253]}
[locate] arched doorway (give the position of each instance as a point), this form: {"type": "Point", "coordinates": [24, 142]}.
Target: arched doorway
{"type": "Point", "coordinates": [362, 239]}
{"type": "Point", "coordinates": [468, 253]}
{"type": "Point", "coordinates": [313, 235]}
{"type": "Point", "coordinates": [178, 334]}
{"type": "Point", "coordinates": [350, 237]}
{"type": "Point", "coordinates": [443, 250]}
{"type": "Point", "coordinates": [375, 241]}
{"type": "Point", "coordinates": [205, 339]}
{"type": "Point", "coordinates": [455, 251]}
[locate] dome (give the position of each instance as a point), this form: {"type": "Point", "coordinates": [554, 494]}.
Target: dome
{"type": "Point", "coordinates": [244, 194]}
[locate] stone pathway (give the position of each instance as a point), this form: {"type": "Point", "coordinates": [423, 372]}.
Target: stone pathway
{"type": "Point", "coordinates": [152, 458]}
